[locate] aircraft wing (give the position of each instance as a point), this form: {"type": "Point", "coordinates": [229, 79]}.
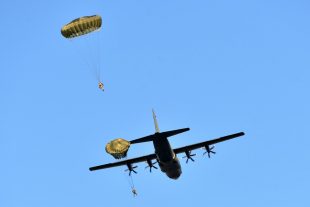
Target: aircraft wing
{"type": "Point", "coordinates": [207, 143]}
{"type": "Point", "coordinates": [124, 162]}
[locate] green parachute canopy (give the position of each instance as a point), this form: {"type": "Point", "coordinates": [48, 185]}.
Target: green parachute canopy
{"type": "Point", "coordinates": [118, 148]}
{"type": "Point", "coordinates": [81, 26]}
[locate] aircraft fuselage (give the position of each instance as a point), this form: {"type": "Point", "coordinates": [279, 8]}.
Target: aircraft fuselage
{"type": "Point", "coordinates": [166, 158]}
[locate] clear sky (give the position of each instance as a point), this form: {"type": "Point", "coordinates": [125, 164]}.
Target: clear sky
{"type": "Point", "coordinates": [218, 67]}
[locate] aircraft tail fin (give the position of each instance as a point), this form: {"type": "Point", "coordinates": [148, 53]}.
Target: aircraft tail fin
{"type": "Point", "coordinates": [155, 122]}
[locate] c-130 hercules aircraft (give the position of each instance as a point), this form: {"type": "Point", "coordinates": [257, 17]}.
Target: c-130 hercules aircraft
{"type": "Point", "coordinates": [165, 156]}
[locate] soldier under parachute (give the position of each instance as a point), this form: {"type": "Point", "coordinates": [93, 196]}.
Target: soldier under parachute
{"type": "Point", "coordinates": [82, 26]}
{"type": "Point", "coordinates": [134, 192]}
{"type": "Point", "coordinates": [118, 148]}
{"type": "Point", "coordinates": [101, 86]}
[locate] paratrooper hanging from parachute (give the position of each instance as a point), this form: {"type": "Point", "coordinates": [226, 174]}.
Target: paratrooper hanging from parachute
{"type": "Point", "coordinates": [83, 26]}
{"type": "Point", "coordinates": [101, 86]}
{"type": "Point", "coordinates": [118, 148]}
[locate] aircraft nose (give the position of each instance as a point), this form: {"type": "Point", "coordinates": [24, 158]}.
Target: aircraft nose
{"type": "Point", "coordinates": [174, 174]}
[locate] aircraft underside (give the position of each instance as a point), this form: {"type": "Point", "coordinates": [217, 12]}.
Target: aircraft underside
{"type": "Point", "coordinates": [172, 169]}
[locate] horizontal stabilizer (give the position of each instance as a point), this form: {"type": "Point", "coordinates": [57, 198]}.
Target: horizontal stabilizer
{"type": "Point", "coordinates": [158, 135]}
{"type": "Point", "coordinates": [173, 132]}
{"type": "Point", "coordinates": [143, 139]}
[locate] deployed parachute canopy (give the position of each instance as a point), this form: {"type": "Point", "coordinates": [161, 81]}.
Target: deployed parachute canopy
{"type": "Point", "coordinates": [118, 148]}
{"type": "Point", "coordinates": [81, 26]}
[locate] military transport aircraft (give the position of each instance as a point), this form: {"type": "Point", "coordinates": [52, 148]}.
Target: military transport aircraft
{"type": "Point", "coordinates": [164, 155]}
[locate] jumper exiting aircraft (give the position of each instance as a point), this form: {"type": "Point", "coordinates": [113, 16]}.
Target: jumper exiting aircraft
{"type": "Point", "coordinates": [164, 155]}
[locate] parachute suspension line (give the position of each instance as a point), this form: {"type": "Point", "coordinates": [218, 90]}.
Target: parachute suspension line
{"type": "Point", "coordinates": [99, 55]}
{"type": "Point", "coordinates": [133, 189]}
{"type": "Point", "coordinates": [131, 184]}
{"type": "Point", "coordinates": [82, 56]}
{"type": "Point", "coordinates": [96, 54]}
{"type": "Point", "coordinates": [85, 52]}
{"type": "Point", "coordinates": [77, 48]}
{"type": "Point", "coordinates": [91, 43]}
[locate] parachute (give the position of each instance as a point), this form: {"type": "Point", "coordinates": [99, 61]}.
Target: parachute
{"type": "Point", "coordinates": [81, 26]}
{"type": "Point", "coordinates": [118, 148]}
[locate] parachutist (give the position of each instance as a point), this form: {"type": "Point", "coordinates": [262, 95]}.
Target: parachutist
{"type": "Point", "coordinates": [134, 192]}
{"type": "Point", "coordinates": [83, 26]}
{"type": "Point", "coordinates": [101, 86]}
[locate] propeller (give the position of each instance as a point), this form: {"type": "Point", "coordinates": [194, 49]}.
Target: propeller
{"type": "Point", "coordinates": [151, 164]}
{"type": "Point", "coordinates": [131, 168]}
{"type": "Point", "coordinates": [189, 156]}
{"type": "Point", "coordinates": [209, 150]}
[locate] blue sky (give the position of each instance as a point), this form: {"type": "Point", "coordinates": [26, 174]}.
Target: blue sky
{"type": "Point", "coordinates": [218, 67]}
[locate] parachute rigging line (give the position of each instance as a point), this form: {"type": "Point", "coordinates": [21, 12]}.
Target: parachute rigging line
{"type": "Point", "coordinates": [131, 183]}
